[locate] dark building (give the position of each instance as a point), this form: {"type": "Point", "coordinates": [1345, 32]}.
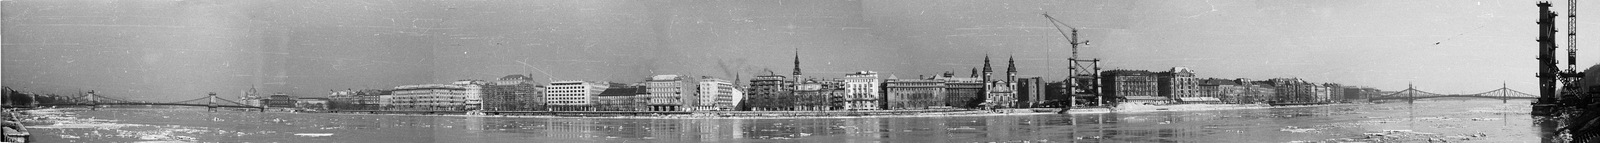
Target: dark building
{"type": "Point", "coordinates": [514, 93]}
{"type": "Point", "coordinates": [770, 93]}
{"type": "Point", "coordinates": [622, 98]}
{"type": "Point", "coordinates": [1121, 84]}
{"type": "Point", "coordinates": [281, 100]}
{"type": "Point", "coordinates": [1030, 92]}
{"type": "Point", "coordinates": [1055, 94]}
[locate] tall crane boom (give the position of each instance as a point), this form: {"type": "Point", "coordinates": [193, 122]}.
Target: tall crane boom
{"type": "Point", "coordinates": [1572, 36]}
{"type": "Point", "coordinates": [1082, 75]}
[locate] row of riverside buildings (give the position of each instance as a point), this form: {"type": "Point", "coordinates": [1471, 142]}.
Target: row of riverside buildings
{"type": "Point", "coordinates": [863, 90]}
{"type": "Point", "coordinates": [1179, 85]}
{"type": "Point", "coordinates": [521, 93]}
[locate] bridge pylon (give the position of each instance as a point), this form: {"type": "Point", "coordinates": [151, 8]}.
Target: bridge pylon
{"type": "Point", "coordinates": [94, 104]}
{"type": "Point", "coordinates": [211, 104]}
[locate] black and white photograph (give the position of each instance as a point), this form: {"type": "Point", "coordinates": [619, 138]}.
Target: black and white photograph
{"type": "Point", "coordinates": [828, 71]}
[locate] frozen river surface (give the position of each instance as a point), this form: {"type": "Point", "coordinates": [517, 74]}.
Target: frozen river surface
{"type": "Point", "coordinates": [1454, 120]}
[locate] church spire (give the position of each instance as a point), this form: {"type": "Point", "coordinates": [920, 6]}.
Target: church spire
{"type": "Point", "coordinates": [797, 63]}
{"type": "Point", "coordinates": [986, 64]}
{"type": "Point", "coordinates": [1011, 69]}
{"type": "Point", "coordinates": [1011, 64]}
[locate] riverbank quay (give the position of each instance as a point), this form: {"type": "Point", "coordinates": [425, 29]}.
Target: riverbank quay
{"type": "Point", "coordinates": [13, 129]}
{"type": "Point", "coordinates": [828, 114]}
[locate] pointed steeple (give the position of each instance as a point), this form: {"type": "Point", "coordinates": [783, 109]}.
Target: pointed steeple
{"type": "Point", "coordinates": [1011, 69]}
{"type": "Point", "coordinates": [1011, 64]}
{"type": "Point", "coordinates": [797, 62]}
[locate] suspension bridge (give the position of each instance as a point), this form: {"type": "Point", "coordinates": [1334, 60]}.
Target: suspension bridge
{"type": "Point", "coordinates": [210, 101]}
{"type": "Point", "coordinates": [1412, 93]}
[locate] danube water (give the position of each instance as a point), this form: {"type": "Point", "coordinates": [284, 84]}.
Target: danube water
{"type": "Point", "coordinates": [1454, 120]}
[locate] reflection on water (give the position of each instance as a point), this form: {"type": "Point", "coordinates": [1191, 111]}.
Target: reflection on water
{"type": "Point", "coordinates": [1455, 120]}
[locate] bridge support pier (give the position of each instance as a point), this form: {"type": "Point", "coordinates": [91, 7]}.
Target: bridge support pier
{"type": "Point", "coordinates": [211, 105]}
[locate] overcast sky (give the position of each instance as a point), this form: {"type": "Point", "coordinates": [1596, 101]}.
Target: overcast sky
{"type": "Point", "coordinates": [173, 50]}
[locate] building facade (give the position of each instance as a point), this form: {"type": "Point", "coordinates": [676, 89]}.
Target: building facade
{"type": "Point", "coordinates": [819, 95]}
{"type": "Point", "coordinates": [622, 98]}
{"type": "Point", "coordinates": [1031, 92]}
{"type": "Point", "coordinates": [474, 93]}
{"type": "Point", "coordinates": [1179, 84]}
{"type": "Point", "coordinates": [514, 93]}
{"type": "Point", "coordinates": [962, 92]}
{"type": "Point", "coordinates": [717, 94]}
{"type": "Point", "coordinates": [573, 95]}
{"type": "Point", "coordinates": [1122, 84]}
{"type": "Point", "coordinates": [671, 93]}
{"type": "Point", "coordinates": [913, 93]}
{"type": "Point", "coordinates": [429, 97]}
{"type": "Point", "coordinates": [862, 90]}
{"type": "Point", "coordinates": [771, 93]}
{"type": "Point", "coordinates": [280, 100]}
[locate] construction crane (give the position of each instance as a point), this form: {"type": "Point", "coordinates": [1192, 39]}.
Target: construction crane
{"type": "Point", "coordinates": [1082, 75]}
{"type": "Point", "coordinates": [1569, 78]}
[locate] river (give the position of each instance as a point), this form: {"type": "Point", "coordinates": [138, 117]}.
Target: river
{"type": "Point", "coordinates": [1455, 120]}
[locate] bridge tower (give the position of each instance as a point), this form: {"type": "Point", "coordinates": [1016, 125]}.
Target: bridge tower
{"type": "Point", "coordinates": [211, 105]}
{"type": "Point", "coordinates": [94, 104]}
{"type": "Point", "coordinates": [1411, 97]}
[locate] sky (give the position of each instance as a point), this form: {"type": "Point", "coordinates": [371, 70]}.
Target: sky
{"type": "Point", "coordinates": [171, 50]}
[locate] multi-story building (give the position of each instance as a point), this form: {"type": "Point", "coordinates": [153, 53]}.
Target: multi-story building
{"type": "Point", "coordinates": [1180, 84]}
{"type": "Point", "coordinates": [342, 100]}
{"type": "Point", "coordinates": [771, 93]}
{"type": "Point", "coordinates": [368, 99]}
{"type": "Point", "coordinates": [316, 103]}
{"type": "Point", "coordinates": [514, 93]}
{"type": "Point", "coordinates": [861, 90]}
{"type": "Point", "coordinates": [1124, 84]}
{"type": "Point", "coordinates": [1291, 90]}
{"type": "Point", "coordinates": [280, 100]}
{"type": "Point", "coordinates": [622, 98]}
{"type": "Point", "coordinates": [1031, 92]}
{"type": "Point", "coordinates": [913, 93]}
{"type": "Point", "coordinates": [473, 93]}
{"type": "Point", "coordinates": [814, 95]}
{"type": "Point", "coordinates": [1223, 90]}
{"type": "Point", "coordinates": [962, 92]}
{"type": "Point", "coordinates": [431, 97]}
{"type": "Point", "coordinates": [716, 94]}
{"type": "Point", "coordinates": [573, 95]}
{"type": "Point", "coordinates": [671, 93]}
{"type": "Point", "coordinates": [1335, 92]}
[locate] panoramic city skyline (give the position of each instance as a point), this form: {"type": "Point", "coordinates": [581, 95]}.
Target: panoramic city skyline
{"type": "Point", "coordinates": [182, 49]}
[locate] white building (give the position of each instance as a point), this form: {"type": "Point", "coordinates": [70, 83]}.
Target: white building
{"type": "Point", "coordinates": [671, 93]}
{"type": "Point", "coordinates": [717, 94]}
{"type": "Point", "coordinates": [474, 92]}
{"type": "Point", "coordinates": [736, 100]}
{"type": "Point", "coordinates": [573, 95]}
{"type": "Point", "coordinates": [861, 90]}
{"type": "Point", "coordinates": [428, 97]}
